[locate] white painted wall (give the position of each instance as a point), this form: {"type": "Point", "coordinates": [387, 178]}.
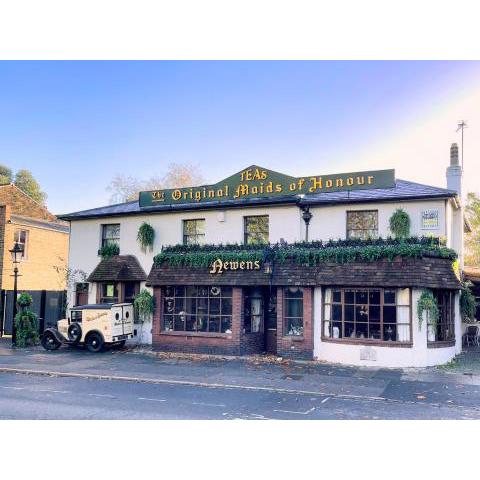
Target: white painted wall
{"type": "Point", "coordinates": [419, 355]}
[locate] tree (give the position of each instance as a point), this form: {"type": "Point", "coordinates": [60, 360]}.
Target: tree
{"type": "Point", "coordinates": [6, 175]}
{"type": "Point", "coordinates": [472, 240]}
{"type": "Point", "coordinates": [126, 188]}
{"type": "Point", "coordinates": [24, 181]}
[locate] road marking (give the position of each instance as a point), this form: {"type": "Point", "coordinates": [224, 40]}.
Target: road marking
{"type": "Point", "coordinates": [325, 399]}
{"type": "Point", "coordinates": [151, 399]}
{"type": "Point", "coordinates": [52, 391]}
{"type": "Point", "coordinates": [101, 395]}
{"type": "Point", "coordinates": [14, 388]}
{"type": "Point", "coordinates": [297, 413]}
{"type": "Point", "coordinates": [209, 404]}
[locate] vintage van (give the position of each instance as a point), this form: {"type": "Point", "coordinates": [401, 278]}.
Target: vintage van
{"type": "Point", "coordinates": [94, 326]}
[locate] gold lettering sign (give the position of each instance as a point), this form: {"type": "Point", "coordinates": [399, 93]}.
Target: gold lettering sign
{"type": "Point", "coordinates": [220, 266]}
{"type": "Point", "coordinates": [256, 183]}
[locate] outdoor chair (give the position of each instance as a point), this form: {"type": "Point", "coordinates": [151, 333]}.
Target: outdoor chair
{"type": "Point", "coordinates": [471, 336]}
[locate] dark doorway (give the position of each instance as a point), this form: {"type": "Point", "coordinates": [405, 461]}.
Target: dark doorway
{"type": "Point", "coordinates": [270, 303]}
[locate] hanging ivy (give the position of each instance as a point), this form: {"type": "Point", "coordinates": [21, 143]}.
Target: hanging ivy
{"type": "Point", "coordinates": [109, 250]}
{"type": "Point", "coordinates": [146, 236]}
{"type": "Point", "coordinates": [311, 253]}
{"type": "Point", "coordinates": [143, 304]}
{"type": "Point", "coordinates": [468, 305]}
{"type": "Point", "coordinates": [400, 223]}
{"type": "Point", "coordinates": [427, 303]}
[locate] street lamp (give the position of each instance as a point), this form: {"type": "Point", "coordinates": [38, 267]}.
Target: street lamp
{"type": "Point", "coordinates": [307, 216]}
{"type": "Point", "coordinates": [16, 252]}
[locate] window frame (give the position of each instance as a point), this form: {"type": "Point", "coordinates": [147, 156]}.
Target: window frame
{"type": "Point", "coordinates": [367, 341]}
{"type": "Point", "coordinates": [103, 239]}
{"type": "Point", "coordinates": [116, 289]}
{"type": "Point", "coordinates": [286, 318]}
{"type": "Point", "coordinates": [447, 320]}
{"type": "Point", "coordinates": [219, 317]}
{"type": "Point", "coordinates": [358, 211]}
{"type": "Point", "coordinates": [196, 234]}
{"type": "Point", "coordinates": [24, 244]}
{"type": "Point", "coordinates": [247, 234]}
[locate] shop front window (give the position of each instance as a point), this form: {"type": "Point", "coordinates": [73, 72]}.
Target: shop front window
{"type": "Point", "coordinates": [194, 231]}
{"type": "Point", "coordinates": [109, 293]}
{"type": "Point", "coordinates": [444, 330]}
{"type": "Point", "coordinates": [362, 224]}
{"type": "Point", "coordinates": [206, 309]}
{"type": "Point", "coordinates": [293, 311]}
{"type": "Point", "coordinates": [370, 314]}
{"type": "Point", "coordinates": [256, 229]}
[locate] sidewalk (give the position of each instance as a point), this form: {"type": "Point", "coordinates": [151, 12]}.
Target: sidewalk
{"type": "Point", "coordinates": [433, 385]}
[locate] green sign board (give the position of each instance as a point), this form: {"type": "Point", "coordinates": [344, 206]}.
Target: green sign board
{"type": "Point", "coordinates": [257, 182]}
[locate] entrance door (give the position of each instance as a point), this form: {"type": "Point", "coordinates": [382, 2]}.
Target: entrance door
{"type": "Point", "coordinates": [271, 321]}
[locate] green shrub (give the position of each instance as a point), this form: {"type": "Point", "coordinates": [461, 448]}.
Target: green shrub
{"type": "Point", "coordinates": [26, 323]}
{"type": "Point", "coordinates": [468, 305]}
{"type": "Point", "coordinates": [109, 250]}
{"type": "Point", "coordinates": [400, 223]}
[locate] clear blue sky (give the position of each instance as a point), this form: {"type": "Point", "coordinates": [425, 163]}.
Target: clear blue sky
{"type": "Point", "coordinates": [77, 124]}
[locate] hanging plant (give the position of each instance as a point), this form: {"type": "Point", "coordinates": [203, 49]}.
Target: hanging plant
{"type": "Point", "coordinates": [146, 236]}
{"type": "Point", "coordinates": [468, 305]}
{"type": "Point", "coordinates": [427, 303]}
{"type": "Point", "coordinates": [400, 223]}
{"type": "Point", "coordinates": [109, 250]}
{"type": "Point", "coordinates": [143, 304]}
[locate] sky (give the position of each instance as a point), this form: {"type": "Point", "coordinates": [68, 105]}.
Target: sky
{"type": "Point", "coordinates": [77, 124]}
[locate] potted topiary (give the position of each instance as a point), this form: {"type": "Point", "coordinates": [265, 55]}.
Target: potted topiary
{"type": "Point", "coordinates": [26, 323]}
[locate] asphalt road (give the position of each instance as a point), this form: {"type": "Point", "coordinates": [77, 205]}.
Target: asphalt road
{"type": "Point", "coordinates": [43, 397]}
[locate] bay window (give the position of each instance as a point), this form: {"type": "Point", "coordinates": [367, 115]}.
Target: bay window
{"type": "Point", "coordinates": [367, 314]}
{"type": "Point", "coordinates": [444, 330]}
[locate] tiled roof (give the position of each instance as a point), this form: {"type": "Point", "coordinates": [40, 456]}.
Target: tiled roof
{"type": "Point", "coordinates": [57, 226]}
{"type": "Point", "coordinates": [425, 272]}
{"type": "Point", "coordinates": [119, 268]}
{"type": "Point", "coordinates": [403, 190]}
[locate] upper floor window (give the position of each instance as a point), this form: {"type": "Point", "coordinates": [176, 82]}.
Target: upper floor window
{"type": "Point", "coordinates": [111, 234]}
{"type": "Point", "coordinates": [21, 237]}
{"type": "Point", "coordinates": [194, 231]}
{"type": "Point", "coordinates": [362, 224]}
{"type": "Point", "coordinates": [256, 229]}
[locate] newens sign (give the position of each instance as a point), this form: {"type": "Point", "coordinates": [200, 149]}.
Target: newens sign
{"type": "Point", "coordinates": [258, 182]}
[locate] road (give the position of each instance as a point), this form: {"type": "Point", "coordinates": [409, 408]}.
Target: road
{"type": "Point", "coordinates": [45, 397]}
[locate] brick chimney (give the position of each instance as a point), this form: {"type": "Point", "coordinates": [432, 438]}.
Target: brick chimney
{"type": "Point", "coordinates": [454, 171]}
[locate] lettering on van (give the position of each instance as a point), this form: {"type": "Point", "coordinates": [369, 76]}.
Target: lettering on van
{"type": "Point", "coordinates": [220, 266]}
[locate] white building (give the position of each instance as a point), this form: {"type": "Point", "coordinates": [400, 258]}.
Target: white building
{"type": "Point", "coordinates": [294, 300]}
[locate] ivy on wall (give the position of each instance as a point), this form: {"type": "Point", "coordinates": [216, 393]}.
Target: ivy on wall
{"type": "Point", "coordinates": [468, 305]}
{"type": "Point", "coordinates": [307, 253]}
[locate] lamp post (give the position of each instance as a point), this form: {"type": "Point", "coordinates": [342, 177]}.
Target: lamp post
{"type": "Point", "coordinates": [16, 252]}
{"type": "Point", "coordinates": [307, 216]}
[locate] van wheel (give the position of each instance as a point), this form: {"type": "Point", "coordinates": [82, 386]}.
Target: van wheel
{"type": "Point", "coordinates": [94, 342]}
{"type": "Point", "coordinates": [49, 341]}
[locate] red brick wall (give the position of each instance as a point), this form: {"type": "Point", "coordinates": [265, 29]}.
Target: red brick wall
{"type": "Point", "coordinates": [221, 344]}
{"type": "Point", "coordinates": [300, 348]}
